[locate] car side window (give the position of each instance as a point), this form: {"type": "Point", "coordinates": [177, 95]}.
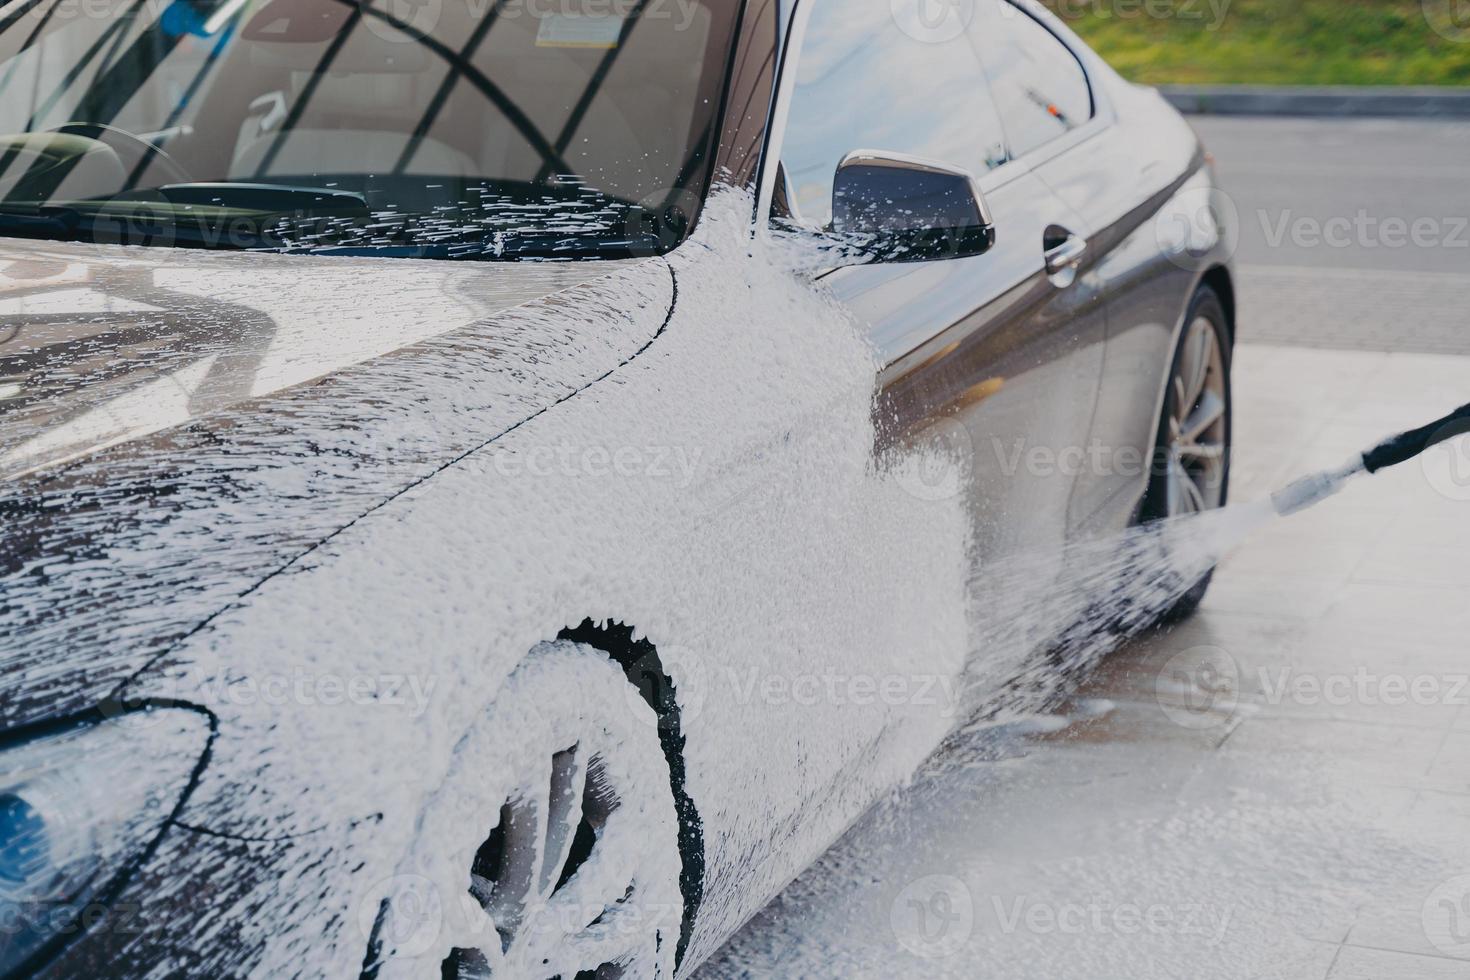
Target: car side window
{"type": "Point", "coordinates": [1038, 84]}
{"type": "Point", "coordinates": [873, 75]}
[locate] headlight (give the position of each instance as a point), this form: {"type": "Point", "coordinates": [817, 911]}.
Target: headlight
{"type": "Point", "coordinates": [75, 807]}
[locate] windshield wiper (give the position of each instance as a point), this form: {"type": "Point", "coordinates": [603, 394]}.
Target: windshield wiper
{"type": "Point", "coordinates": [198, 215]}
{"type": "Point", "coordinates": [50, 223]}
{"type": "Point", "coordinates": [507, 248]}
{"type": "Point", "coordinates": [289, 219]}
{"type": "Point", "coordinates": [550, 245]}
{"type": "Point", "coordinates": [260, 198]}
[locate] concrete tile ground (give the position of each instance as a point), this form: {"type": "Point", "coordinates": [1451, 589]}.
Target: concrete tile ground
{"type": "Point", "coordinates": [1279, 787]}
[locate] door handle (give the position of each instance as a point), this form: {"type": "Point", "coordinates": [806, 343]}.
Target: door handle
{"type": "Point", "coordinates": [1064, 255]}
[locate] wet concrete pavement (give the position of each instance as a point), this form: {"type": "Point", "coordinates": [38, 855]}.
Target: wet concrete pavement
{"type": "Point", "coordinates": [1278, 787]}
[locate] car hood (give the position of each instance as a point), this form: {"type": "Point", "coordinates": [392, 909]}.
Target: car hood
{"type": "Point", "coordinates": [100, 346]}
{"type": "Point", "coordinates": [175, 426]}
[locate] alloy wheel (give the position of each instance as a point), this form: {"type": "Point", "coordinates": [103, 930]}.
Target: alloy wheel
{"type": "Point", "coordinates": [1197, 424]}
{"type": "Point", "coordinates": [559, 823]}
{"type": "Point", "coordinates": [525, 878]}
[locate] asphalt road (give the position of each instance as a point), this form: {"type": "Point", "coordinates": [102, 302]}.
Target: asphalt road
{"type": "Point", "coordinates": [1355, 234]}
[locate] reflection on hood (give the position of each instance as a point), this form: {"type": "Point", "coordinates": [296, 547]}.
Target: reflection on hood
{"type": "Point", "coordinates": [101, 345]}
{"type": "Point", "coordinates": [176, 426]}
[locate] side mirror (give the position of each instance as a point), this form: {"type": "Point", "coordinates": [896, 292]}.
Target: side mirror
{"type": "Point", "coordinates": [895, 208]}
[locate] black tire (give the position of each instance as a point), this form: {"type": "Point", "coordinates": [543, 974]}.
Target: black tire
{"type": "Point", "coordinates": [565, 765]}
{"type": "Point", "coordinates": [1206, 306]}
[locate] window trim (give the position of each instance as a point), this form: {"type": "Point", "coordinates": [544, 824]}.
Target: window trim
{"type": "Point", "coordinates": [1102, 108]}
{"type": "Point", "coordinates": [792, 42]}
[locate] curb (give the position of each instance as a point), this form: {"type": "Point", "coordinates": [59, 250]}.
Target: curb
{"type": "Point", "coordinates": [1325, 100]}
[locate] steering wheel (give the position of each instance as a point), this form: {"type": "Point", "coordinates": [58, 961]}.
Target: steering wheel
{"type": "Point", "coordinates": [133, 151]}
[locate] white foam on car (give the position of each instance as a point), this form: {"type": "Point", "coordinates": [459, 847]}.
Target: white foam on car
{"type": "Point", "coordinates": [784, 576]}
{"type": "Point", "coordinates": [622, 904]}
{"type": "Point", "coordinates": [782, 552]}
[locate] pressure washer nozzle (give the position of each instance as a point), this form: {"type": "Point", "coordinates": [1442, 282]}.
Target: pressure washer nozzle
{"type": "Point", "coordinates": [1313, 489]}
{"type": "Point", "coordinates": [1391, 452]}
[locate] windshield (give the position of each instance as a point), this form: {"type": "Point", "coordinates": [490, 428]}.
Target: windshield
{"type": "Point", "coordinates": [427, 128]}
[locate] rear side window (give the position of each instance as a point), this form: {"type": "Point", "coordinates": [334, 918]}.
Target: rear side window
{"type": "Point", "coordinates": [1038, 84]}
{"type": "Point", "coordinates": [872, 76]}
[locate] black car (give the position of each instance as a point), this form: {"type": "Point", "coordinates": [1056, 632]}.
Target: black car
{"type": "Point", "coordinates": [492, 489]}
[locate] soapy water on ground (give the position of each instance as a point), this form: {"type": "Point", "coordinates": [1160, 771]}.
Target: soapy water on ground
{"type": "Point", "coordinates": [1066, 862]}
{"type": "Point", "coordinates": [1041, 841]}
{"type": "Point", "coordinates": [1098, 592]}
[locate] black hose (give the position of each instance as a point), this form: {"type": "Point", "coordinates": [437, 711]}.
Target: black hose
{"type": "Point", "coordinates": [1406, 445]}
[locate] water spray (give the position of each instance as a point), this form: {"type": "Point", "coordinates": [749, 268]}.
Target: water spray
{"type": "Point", "coordinates": [1115, 587]}
{"type": "Point", "coordinates": [1397, 449]}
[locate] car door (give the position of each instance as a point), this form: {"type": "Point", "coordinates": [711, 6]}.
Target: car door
{"type": "Point", "coordinates": [994, 358]}
{"type": "Point", "coordinates": [1121, 172]}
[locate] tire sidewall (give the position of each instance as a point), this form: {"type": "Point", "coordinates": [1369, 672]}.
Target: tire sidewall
{"type": "Point", "coordinates": [1205, 303]}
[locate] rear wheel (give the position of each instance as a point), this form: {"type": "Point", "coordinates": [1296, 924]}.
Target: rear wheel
{"type": "Point", "coordinates": [1191, 461]}
{"type": "Point", "coordinates": [577, 875]}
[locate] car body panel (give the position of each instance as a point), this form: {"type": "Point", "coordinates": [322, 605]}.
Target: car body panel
{"type": "Point", "coordinates": [265, 479]}
{"type": "Point", "coordinates": [104, 345]}
{"type": "Point", "coordinates": [1140, 185]}
{"type": "Point", "coordinates": [1010, 363]}
{"type": "Point", "coordinates": [436, 580]}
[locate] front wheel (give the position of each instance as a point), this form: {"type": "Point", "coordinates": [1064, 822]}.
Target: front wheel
{"type": "Point", "coordinates": [1191, 460]}
{"type": "Point", "coordinates": [559, 821]}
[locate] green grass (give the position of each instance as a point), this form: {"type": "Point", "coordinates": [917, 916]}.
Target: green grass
{"type": "Point", "coordinates": [1281, 42]}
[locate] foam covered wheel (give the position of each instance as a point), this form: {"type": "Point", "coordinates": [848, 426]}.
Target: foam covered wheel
{"type": "Point", "coordinates": [1191, 460]}
{"type": "Point", "coordinates": [556, 836]}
